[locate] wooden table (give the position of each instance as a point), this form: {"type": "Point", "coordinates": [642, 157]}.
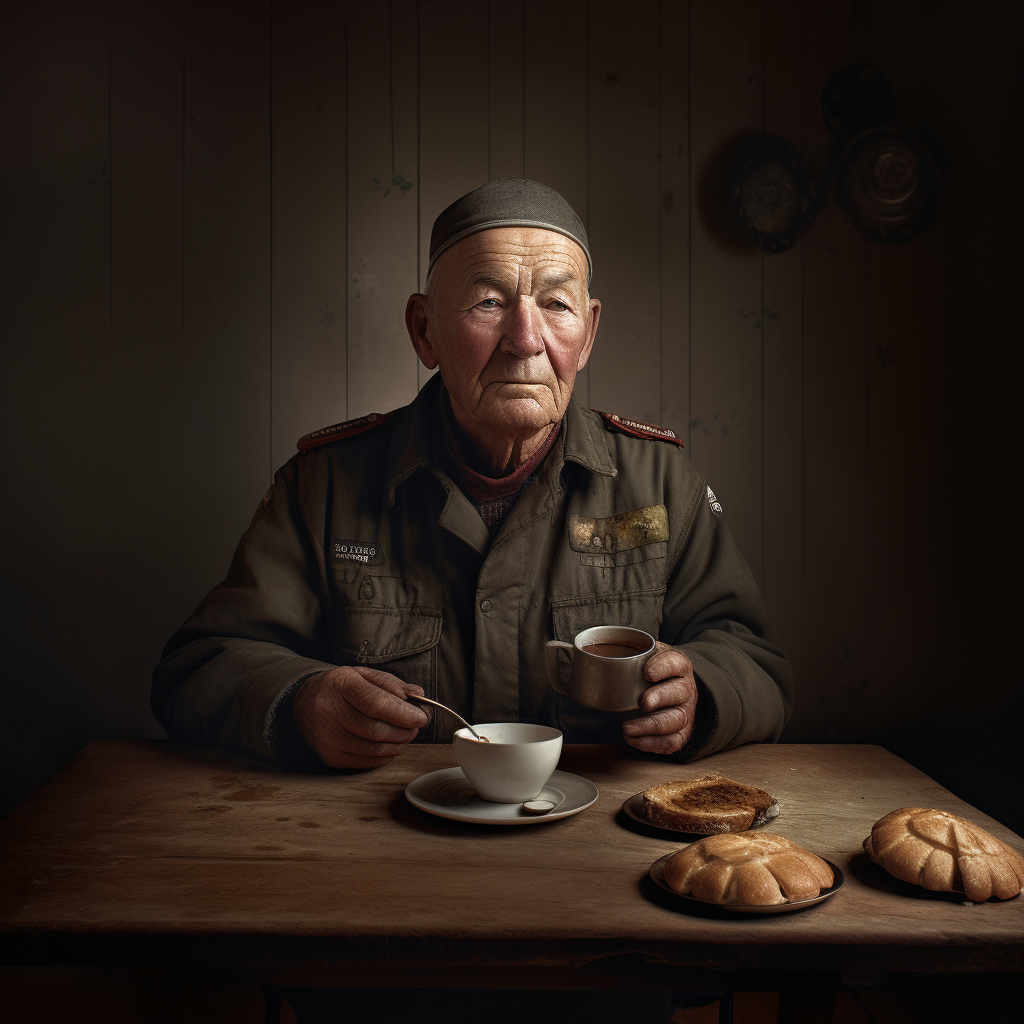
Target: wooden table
{"type": "Point", "coordinates": [149, 853]}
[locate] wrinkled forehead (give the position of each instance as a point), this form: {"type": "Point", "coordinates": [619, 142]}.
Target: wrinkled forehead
{"type": "Point", "coordinates": [500, 255]}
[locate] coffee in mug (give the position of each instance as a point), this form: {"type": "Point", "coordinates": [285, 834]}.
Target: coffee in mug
{"type": "Point", "coordinates": [612, 650]}
{"type": "Point", "coordinates": [607, 667]}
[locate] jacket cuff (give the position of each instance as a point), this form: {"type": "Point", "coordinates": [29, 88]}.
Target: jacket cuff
{"type": "Point", "coordinates": [282, 734]}
{"type": "Point", "coordinates": [718, 708]}
{"type": "Point", "coordinates": [705, 723]}
{"type": "Point", "coordinates": [274, 688]}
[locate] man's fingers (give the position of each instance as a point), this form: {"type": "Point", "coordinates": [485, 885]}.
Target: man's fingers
{"type": "Point", "coordinates": [667, 662]}
{"type": "Point", "coordinates": [660, 744]}
{"type": "Point", "coordinates": [352, 721]}
{"type": "Point", "coordinates": [375, 729]}
{"type": "Point", "coordinates": [387, 681]}
{"type": "Point", "coordinates": [670, 692]}
{"type": "Point", "coordinates": [663, 723]}
{"type": "Point", "coordinates": [402, 690]}
{"type": "Point", "coordinates": [378, 703]}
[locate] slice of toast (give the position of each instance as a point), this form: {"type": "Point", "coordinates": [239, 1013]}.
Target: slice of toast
{"type": "Point", "coordinates": [710, 804]}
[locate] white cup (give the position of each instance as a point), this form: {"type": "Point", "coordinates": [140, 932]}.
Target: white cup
{"type": "Point", "coordinates": [515, 762]}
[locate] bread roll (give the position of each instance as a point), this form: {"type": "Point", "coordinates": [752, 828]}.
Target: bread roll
{"type": "Point", "coordinates": [711, 803]}
{"type": "Point", "coordinates": [940, 851]}
{"type": "Point", "coordinates": [752, 868]}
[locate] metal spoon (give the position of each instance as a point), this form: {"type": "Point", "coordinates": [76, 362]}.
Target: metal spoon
{"type": "Point", "coordinates": [540, 806]}
{"type": "Point", "coordinates": [437, 704]}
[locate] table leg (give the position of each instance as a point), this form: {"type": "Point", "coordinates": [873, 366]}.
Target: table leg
{"type": "Point", "coordinates": [272, 1009]}
{"type": "Point", "coordinates": [813, 1002]}
{"type": "Point", "coordinates": [725, 1008]}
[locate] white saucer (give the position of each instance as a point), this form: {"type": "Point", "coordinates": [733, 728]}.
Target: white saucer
{"type": "Point", "coordinates": [448, 794]}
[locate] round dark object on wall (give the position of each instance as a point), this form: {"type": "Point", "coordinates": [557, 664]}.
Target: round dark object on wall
{"type": "Point", "coordinates": [856, 98]}
{"type": "Point", "coordinates": [773, 192]}
{"type": "Point", "coordinates": [887, 185]}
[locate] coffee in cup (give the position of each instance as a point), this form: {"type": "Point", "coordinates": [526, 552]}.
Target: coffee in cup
{"type": "Point", "coordinates": [607, 667]}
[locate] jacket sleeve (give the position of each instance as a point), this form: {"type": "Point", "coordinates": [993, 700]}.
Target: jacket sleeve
{"type": "Point", "coordinates": [225, 675]}
{"type": "Point", "coordinates": [714, 613]}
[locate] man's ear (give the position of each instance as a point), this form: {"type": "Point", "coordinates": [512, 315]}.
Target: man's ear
{"type": "Point", "coordinates": [595, 317]}
{"type": "Point", "coordinates": [417, 320]}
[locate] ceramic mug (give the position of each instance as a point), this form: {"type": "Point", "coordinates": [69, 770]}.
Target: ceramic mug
{"type": "Point", "coordinates": [515, 762]}
{"type": "Point", "coordinates": [605, 675]}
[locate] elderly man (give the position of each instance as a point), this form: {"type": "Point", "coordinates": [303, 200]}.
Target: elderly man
{"type": "Point", "coordinates": [433, 550]}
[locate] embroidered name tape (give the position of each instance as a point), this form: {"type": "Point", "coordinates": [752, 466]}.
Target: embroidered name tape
{"type": "Point", "coordinates": [354, 551]}
{"type": "Point", "coordinates": [619, 533]}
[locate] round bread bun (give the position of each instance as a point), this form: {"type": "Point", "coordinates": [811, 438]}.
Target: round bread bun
{"type": "Point", "coordinates": [939, 851]}
{"type": "Point", "coordinates": [751, 868]}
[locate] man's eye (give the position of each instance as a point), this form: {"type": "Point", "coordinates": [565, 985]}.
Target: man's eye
{"type": "Point", "coordinates": [489, 304]}
{"type": "Point", "coordinates": [558, 305]}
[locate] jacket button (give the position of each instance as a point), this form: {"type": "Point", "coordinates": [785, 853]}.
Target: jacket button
{"type": "Point", "coordinates": [485, 606]}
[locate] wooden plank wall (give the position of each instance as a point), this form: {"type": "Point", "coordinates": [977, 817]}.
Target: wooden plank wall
{"type": "Point", "coordinates": [309, 293]}
{"type": "Point", "coordinates": [215, 212]}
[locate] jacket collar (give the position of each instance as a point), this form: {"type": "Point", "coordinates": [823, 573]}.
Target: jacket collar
{"type": "Point", "coordinates": [586, 440]}
{"type": "Point", "coordinates": [414, 441]}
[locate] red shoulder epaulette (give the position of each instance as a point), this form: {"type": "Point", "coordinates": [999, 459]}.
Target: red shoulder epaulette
{"type": "Point", "coordinates": [634, 428]}
{"type": "Point", "coordinates": [341, 430]}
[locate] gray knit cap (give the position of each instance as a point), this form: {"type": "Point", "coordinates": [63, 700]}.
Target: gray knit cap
{"type": "Point", "coordinates": [510, 202]}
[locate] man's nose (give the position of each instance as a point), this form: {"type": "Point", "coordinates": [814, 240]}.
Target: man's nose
{"type": "Point", "coordinates": [522, 334]}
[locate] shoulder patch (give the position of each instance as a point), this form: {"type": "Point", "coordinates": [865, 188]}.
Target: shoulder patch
{"type": "Point", "coordinates": [716, 505]}
{"type": "Point", "coordinates": [341, 430]}
{"type": "Point", "coordinates": [635, 428]}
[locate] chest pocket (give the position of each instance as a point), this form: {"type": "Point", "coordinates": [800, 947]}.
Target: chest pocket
{"type": "Point", "coordinates": [639, 609]}
{"type": "Point", "coordinates": [631, 556]}
{"type": "Point", "coordinates": [623, 539]}
{"type": "Point", "coordinates": [386, 626]}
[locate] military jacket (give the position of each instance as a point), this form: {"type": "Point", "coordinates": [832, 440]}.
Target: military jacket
{"type": "Point", "coordinates": [366, 552]}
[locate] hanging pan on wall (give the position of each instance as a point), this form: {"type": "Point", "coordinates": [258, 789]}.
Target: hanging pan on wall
{"type": "Point", "coordinates": [774, 195]}
{"type": "Point", "coordinates": [886, 181]}
{"type": "Point", "coordinates": [887, 185]}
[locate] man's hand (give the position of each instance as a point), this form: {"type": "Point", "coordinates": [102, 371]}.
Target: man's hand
{"type": "Point", "coordinates": [356, 717]}
{"type": "Point", "coordinates": [671, 704]}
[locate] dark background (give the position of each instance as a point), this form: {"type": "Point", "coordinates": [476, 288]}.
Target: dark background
{"type": "Point", "coordinates": [212, 215]}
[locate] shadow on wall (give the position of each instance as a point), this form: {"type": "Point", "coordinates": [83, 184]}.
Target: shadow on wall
{"type": "Point", "coordinates": [716, 203]}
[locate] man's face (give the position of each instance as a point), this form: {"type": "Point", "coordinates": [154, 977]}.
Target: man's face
{"type": "Point", "coordinates": [509, 323]}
